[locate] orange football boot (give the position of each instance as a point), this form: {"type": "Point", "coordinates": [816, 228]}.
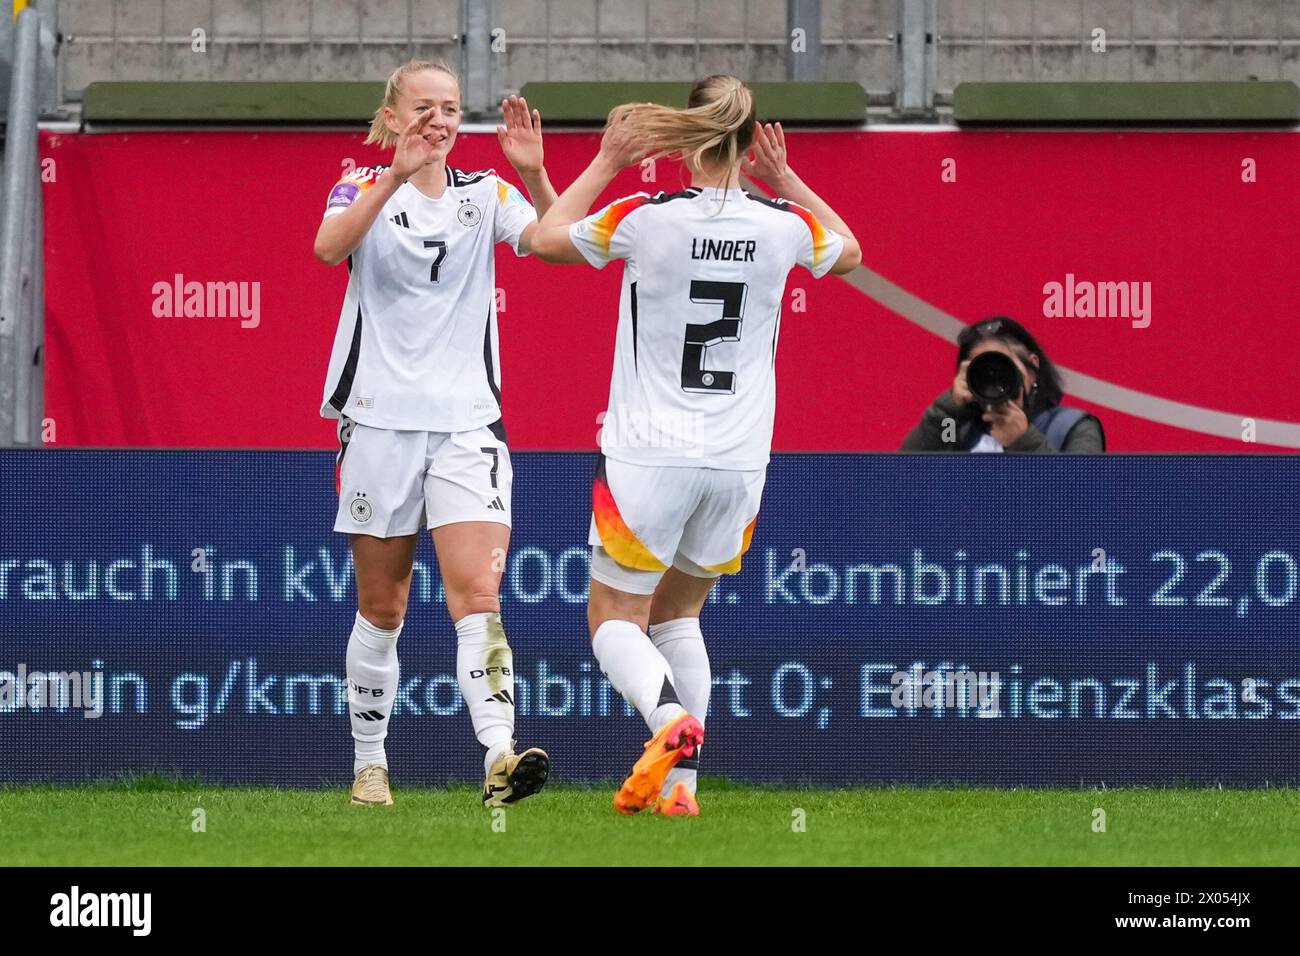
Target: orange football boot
{"type": "Point", "coordinates": [679, 803]}
{"type": "Point", "coordinates": [675, 740]}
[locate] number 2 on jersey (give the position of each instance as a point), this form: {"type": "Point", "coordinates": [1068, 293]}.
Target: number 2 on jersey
{"type": "Point", "coordinates": [699, 336]}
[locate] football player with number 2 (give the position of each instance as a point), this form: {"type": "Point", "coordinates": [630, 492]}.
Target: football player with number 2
{"type": "Point", "coordinates": [687, 436]}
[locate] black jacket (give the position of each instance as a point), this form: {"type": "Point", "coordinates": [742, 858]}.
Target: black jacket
{"type": "Point", "coordinates": [1085, 438]}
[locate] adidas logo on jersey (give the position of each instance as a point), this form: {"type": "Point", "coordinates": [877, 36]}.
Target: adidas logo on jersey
{"type": "Point", "coordinates": [401, 220]}
{"type": "Point", "coordinates": [496, 505]}
{"type": "Point", "coordinates": [501, 696]}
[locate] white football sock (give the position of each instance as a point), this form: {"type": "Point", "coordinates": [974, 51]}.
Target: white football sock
{"type": "Point", "coordinates": [682, 645]}
{"type": "Point", "coordinates": [485, 671]}
{"type": "Point", "coordinates": [373, 677]}
{"type": "Point", "coordinates": [637, 671]}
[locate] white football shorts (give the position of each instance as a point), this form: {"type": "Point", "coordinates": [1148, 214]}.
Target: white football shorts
{"type": "Point", "coordinates": [393, 483]}
{"type": "Point", "coordinates": [645, 519]}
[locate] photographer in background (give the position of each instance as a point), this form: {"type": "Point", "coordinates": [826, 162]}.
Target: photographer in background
{"type": "Point", "coordinates": [1006, 397]}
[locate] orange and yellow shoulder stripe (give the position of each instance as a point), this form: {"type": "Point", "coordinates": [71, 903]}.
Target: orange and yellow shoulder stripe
{"type": "Point", "coordinates": [603, 229]}
{"type": "Point", "coordinates": [821, 238]}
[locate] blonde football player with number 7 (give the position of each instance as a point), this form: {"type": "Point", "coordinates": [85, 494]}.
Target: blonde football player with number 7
{"type": "Point", "coordinates": [687, 436]}
{"type": "Point", "coordinates": [414, 381]}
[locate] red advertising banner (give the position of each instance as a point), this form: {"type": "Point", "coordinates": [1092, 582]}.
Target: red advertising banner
{"type": "Point", "coordinates": [1157, 269]}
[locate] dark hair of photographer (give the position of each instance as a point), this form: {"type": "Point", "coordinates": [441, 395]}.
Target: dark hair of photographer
{"type": "Point", "coordinates": [1030, 419]}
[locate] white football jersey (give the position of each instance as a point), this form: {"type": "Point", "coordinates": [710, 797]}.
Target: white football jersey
{"type": "Point", "coordinates": [694, 379]}
{"type": "Point", "coordinates": [416, 347]}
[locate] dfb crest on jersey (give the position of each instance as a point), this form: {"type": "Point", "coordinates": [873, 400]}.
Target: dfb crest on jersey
{"type": "Point", "coordinates": [469, 214]}
{"type": "Point", "coordinates": [361, 508]}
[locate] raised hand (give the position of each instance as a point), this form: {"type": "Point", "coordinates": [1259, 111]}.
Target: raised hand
{"type": "Point", "coordinates": [768, 161]}
{"type": "Point", "coordinates": [620, 146]}
{"type": "Point", "coordinates": [521, 136]}
{"type": "Point", "coordinates": [413, 150]}
{"type": "Point", "coordinates": [960, 390]}
{"type": "Point", "coordinates": [1007, 422]}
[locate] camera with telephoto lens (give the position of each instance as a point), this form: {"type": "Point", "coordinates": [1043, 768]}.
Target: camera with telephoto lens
{"type": "Point", "coordinates": [993, 378]}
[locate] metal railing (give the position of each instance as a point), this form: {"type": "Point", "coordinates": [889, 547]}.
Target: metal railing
{"type": "Point", "coordinates": [22, 298]}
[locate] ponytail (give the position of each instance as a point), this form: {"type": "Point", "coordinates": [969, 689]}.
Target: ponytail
{"type": "Point", "coordinates": [717, 125]}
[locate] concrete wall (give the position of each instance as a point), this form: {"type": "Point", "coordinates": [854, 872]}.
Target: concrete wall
{"type": "Point", "coordinates": [559, 40]}
{"type": "Point", "coordinates": [1145, 39]}
{"type": "Point", "coordinates": [675, 39]}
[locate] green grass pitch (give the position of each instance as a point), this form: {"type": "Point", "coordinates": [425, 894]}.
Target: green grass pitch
{"type": "Point", "coordinates": [151, 822]}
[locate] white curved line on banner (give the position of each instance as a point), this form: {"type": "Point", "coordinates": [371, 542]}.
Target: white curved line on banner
{"type": "Point", "coordinates": [1139, 404]}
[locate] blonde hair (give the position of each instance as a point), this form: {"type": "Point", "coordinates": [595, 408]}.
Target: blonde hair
{"type": "Point", "coordinates": [717, 124]}
{"type": "Point", "coordinates": [379, 131]}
